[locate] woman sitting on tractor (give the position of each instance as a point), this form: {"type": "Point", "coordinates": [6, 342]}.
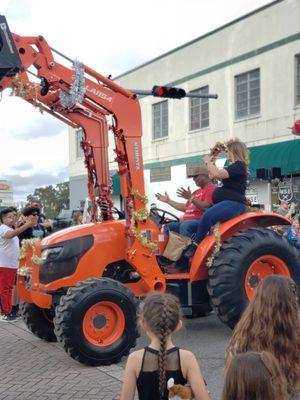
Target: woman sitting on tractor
{"type": "Point", "coordinates": [229, 200]}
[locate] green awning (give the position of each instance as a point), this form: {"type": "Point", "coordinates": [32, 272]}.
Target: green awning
{"type": "Point", "coordinates": [116, 184]}
{"type": "Point", "coordinates": [285, 155]}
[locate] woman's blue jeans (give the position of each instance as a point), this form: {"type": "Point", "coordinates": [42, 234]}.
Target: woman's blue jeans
{"type": "Point", "coordinates": [218, 213]}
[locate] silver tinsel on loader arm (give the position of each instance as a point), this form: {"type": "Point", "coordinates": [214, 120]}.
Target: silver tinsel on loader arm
{"type": "Point", "coordinates": [77, 89]}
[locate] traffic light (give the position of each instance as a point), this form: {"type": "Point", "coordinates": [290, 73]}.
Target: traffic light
{"type": "Point", "coordinates": [169, 92]}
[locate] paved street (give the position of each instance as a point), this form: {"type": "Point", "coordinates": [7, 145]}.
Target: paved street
{"type": "Point", "coordinates": [33, 369]}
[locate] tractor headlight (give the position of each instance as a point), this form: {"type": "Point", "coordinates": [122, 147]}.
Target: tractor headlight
{"type": "Point", "coordinates": [52, 253]}
{"type": "Point", "coordinates": [61, 259]}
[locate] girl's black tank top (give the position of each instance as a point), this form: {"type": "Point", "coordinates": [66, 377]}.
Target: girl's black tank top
{"type": "Point", "coordinates": [148, 379]}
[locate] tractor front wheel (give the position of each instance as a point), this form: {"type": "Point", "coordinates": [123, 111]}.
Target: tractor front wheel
{"type": "Point", "coordinates": [38, 320]}
{"type": "Point", "coordinates": [96, 321]}
{"type": "Point", "coordinates": [243, 261]}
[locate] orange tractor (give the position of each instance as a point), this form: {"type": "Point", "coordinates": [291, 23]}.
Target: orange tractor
{"type": "Point", "coordinates": [83, 283]}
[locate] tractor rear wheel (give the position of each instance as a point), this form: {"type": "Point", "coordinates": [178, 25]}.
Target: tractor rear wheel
{"type": "Point", "coordinates": [38, 320]}
{"type": "Point", "coordinates": [243, 261]}
{"type": "Point", "coordinates": [96, 321]}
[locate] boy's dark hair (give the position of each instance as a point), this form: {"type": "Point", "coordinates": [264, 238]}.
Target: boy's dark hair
{"type": "Point", "coordinates": [14, 209]}
{"type": "Point", "coordinates": [4, 212]}
{"type": "Point", "coordinates": [31, 209]}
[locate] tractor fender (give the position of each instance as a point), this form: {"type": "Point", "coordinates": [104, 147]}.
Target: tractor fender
{"type": "Point", "coordinates": [227, 229]}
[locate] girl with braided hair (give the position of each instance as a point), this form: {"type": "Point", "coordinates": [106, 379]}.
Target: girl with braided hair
{"type": "Point", "coordinates": [149, 369]}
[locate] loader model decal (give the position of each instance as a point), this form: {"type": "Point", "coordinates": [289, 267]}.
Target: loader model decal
{"type": "Point", "coordinates": [3, 26]}
{"type": "Point", "coordinates": [136, 155]}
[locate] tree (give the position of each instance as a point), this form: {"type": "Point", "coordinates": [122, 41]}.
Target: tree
{"type": "Point", "coordinates": [63, 195]}
{"type": "Point", "coordinates": [52, 198]}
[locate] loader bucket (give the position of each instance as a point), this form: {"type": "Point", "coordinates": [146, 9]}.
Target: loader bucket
{"type": "Point", "coordinates": [10, 62]}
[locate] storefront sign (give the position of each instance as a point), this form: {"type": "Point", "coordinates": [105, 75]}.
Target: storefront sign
{"type": "Point", "coordinates": [285, 190]}
{"type": "Point", "coordinates": [4, 186]}
{"type": "Point", "coordinates": [252, 195]}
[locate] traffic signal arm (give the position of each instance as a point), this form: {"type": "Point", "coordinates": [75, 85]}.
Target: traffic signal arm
{"type": "Point", "coordinates": [171, 93]}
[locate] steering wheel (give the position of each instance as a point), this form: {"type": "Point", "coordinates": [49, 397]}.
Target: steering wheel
{"type": "Point", "coordinates": [161, 214]}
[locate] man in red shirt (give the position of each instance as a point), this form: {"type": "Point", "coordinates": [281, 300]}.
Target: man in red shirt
{"type": "Point", "coordinates": [197, 202]}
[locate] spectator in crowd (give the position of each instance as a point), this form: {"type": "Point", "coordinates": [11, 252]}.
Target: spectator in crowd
{"type": "Point", "coordinates": [271, 323]}
{"type": "Point", "coordinates": [255, 376]}
{"type": "Point", "coordinates": [196, 204]}
{"type": "Point", "coordinates": [9, 258]}
{"type": "Point", "coordinates": [283, 208]}
{"type": "Point", "coordinates": [37, 231]}
{"type": "Point", "coordinates": [292, 234]}
{"type": "Point", "coordinates": [149, 369]}
{"type": "Point", "coordinates": [43, 220]}
{"type": "Point", "coordinates": [77, 218]}
{"type": "Point", "coordinates": [15, 295]}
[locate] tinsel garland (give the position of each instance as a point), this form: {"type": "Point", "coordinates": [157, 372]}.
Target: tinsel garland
{"type": "Point", "coordinates": [136, 193]}
{"type": "Point", "coordinates": [143, 240]}
{"type": "Point", "coordinates": [23, 90]}
{"type": "Point", "coordinates": [77, 89]}
{"type": "Point", "coordinates": [218, 245]}
{"type": "Point", "coordinates": [141, 214]}
{"type": "Point", "coordinates": [25, 270]}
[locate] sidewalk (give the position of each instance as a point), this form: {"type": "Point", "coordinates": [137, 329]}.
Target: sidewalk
{"type": "Point", "coordinates": [31, 369]}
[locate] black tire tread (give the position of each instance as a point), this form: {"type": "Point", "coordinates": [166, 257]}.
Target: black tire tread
{"type": "Point", "coordinates": [62, 324]}
{"type": "Point", "coordinates": [225, 269]}
{"type": "Point", "coordinates": [36, 323]}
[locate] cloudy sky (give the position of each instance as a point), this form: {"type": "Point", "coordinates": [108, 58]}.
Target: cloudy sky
{"type": "Point", "coordinates": [111, 37]}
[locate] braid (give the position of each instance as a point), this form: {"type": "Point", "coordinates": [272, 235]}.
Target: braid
{"type": "Point", "coordinates": [162, 358]}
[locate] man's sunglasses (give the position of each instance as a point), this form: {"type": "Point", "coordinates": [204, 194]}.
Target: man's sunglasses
{"type": "Point", "coordinates": [35, 214]}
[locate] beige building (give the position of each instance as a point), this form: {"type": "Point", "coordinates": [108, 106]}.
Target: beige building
{"type": "Point", "coordinates": [253, 64]}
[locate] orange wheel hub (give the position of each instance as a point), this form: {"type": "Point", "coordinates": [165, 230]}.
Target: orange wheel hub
{"type": "Point", "coordinates": [262, 267]}
{"type": "Point", "coordinates": [104, 323]}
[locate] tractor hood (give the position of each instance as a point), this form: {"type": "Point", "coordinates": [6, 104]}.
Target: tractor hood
{"type": "Point", "coordinates": [98, 229]}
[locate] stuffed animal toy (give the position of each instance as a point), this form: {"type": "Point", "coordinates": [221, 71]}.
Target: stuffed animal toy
{"type": "Point", "coordinates": [179, 392]}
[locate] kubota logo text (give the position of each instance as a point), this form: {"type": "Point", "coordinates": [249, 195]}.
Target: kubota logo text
{"type": "Point", "coordinates": [98, 93]}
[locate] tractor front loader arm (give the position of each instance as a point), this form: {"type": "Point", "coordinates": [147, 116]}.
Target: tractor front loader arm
{"type": "Point", "coordinates": [83, 98]}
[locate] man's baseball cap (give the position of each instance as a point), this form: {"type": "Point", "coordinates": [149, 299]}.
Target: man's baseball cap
{"type": "Point", "coordinates": [198, 170]}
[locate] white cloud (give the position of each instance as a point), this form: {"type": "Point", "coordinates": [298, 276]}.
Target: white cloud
{"type": "Point", "coordinates": [109, 37]}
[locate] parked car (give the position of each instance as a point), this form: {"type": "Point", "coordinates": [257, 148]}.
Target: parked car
{"type": "Point", "coordinates": [64, 219]}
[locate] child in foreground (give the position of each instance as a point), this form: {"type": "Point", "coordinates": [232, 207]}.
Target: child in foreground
{"type": "Point", "coordinates": [148, 370]}
{"type": "Point", "coordinates": [254, 376]}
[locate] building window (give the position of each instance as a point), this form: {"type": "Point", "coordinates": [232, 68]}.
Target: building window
{"type": "Point", "coordinates": [79, 136]}
{"type": "Point", "coordinates": [199, 110]}
{"type": "Point", "coordinates": [160, 120]}
{"type": "Point", "coordinates": [160, 174]}
{"type": "Point", "coordinates": [247, 94]}
{"type": "Point", "coordinates": [298, 79]}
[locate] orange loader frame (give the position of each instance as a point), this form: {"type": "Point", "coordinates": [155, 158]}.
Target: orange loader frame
{"type": "Point", "coordinates": [106, 107]}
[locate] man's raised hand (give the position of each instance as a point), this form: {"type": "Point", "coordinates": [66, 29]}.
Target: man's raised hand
{"type": "Point", "coordinates": [184, 193]}
{"type": "Point", "coordinates": [164, 198]}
